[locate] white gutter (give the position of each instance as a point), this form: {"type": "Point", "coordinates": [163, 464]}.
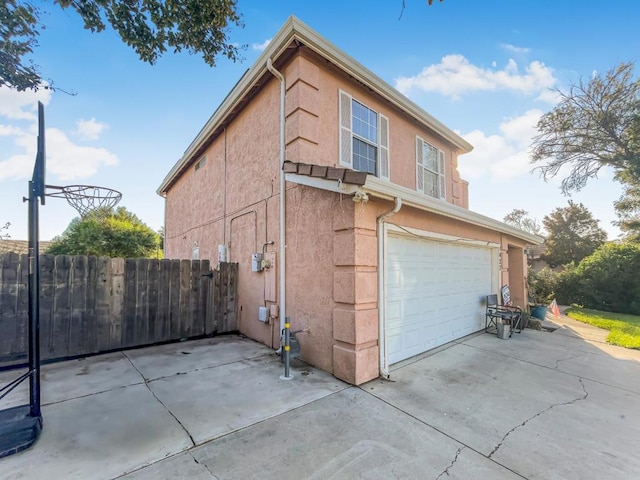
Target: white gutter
{"type": "Point", "coordinates": [385, 190]}
{"type": "Point", "coordinates": [283, 220]}
{"type": "Point", "coordinates": [382, 314]}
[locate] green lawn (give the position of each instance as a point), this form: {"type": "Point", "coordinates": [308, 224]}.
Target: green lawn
{"type": "Point", "coordinates": [624, 330]}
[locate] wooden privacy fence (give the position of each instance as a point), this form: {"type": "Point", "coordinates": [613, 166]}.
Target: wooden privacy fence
{"type": "Point", "coordinates": [95, 304]}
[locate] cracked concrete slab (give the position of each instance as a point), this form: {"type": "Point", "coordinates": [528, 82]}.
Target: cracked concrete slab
{"type": "Point", "coordinates": [236, 395]}
{"type": "Point", "coordinates": [87, 438]}
{"type": "Point", "coordinates": [468, 466]}
{"type": "Point", "coordinates": [75, 378]}
{"type": "Point", "coordinates": [540, 348]}
{"type": "Point", "coordinates": [540, 405]}
{"type": "Point", "coordinates": [542, 412]}
{"type": "Point", "coordinates": [346, 435]}
{"type": "Point", "coordinates": [593, 438]}
{"type": "Point", "coordinates": [605, 363]}
{"type": "Point", "coordinates": [623, 374]}
{"type": "Point", "coordinates": [183, 357]}
{"type": "Point", "coordinates": [451, 465]}
{"type": "Point", "coordinates": [473, 395]}
{"type": "Point", "coordinates": [179, 467]}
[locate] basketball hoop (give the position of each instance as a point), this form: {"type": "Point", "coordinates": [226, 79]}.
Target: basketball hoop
{"type": "Point", "coordinates": [87, 199]}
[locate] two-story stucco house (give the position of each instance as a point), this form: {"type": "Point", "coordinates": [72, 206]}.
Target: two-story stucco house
{"type": "Point", "coordinates": [372, 251]}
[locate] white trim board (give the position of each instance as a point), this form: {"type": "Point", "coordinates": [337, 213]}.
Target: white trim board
{"type": "Point", "coordinates": [434, 236]}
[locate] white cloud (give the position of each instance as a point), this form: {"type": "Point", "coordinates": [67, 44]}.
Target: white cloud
{"type": "Point", "coordinates": [504, 155]}
{"type": "Point", "coordinates": [549, 95]}
{"type": "Point", "coordinates": [90, 129]}
{"type": "Point", "coordinates": [65, 160]}
{"type": "Point", "coordinates": [513, 49]}
{"type": "Point", "coordinates": [455, 75]}
{"type": "Point", "coordinates": [21, 105]}
{"type": "Point", "coordinates": [10, 131]}
{"type": "Point", "coordinates": [520, 130]}
{"type": "Point", "coordinates": [259, 47]}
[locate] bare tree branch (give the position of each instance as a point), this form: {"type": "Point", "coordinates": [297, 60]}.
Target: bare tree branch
{"type": "Point", "coordinates": [593, 126]}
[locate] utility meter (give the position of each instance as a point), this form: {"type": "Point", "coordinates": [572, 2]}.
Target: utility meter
{"type": "Point", "coordinates": [256, 262]}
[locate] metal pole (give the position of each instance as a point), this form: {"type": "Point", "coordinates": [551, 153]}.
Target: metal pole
{"type": "Point", "coordinates": [34, 304]}
{"type": "Point", "coordinates": [287, 351]}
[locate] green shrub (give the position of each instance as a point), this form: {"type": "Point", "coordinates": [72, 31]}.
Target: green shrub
{"type": "Point", "coordinates": [542, 285]}
{"type": "Point", "coordinates": [568, 286]}
{"type": "Point", "coordinates": [608, 280]}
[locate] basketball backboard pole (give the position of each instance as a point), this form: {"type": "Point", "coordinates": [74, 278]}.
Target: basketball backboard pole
{"type": "Point", "coordinates": [36, 193]}
{"type": "Point", "coordinates": [20, 426]}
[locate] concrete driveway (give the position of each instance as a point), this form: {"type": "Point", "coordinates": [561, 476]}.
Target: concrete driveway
{"type": "Point", "coordinates": [540, 405]}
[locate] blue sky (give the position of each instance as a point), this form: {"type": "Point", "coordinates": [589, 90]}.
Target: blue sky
{"type": "Point", "coordinates": [484, 68]}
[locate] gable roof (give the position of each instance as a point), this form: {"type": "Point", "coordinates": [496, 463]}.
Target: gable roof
{"type": "Point", "coordinates": [296, 32]}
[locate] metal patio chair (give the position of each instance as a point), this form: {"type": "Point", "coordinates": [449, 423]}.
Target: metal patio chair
{"type": "Point", "coordinates": [505, 313]}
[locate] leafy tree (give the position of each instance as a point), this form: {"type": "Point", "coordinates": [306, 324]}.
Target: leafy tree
{"type": "Point", "coordinates": [150, 27]}
{"type": "Point", "coordinates": [107, 234]}
{"type": "Point", "coordinates": [572, 234]}
{"type": "Point", "coordinates": [628, 209]}
{"type": "Point", "coordinates": [520, 219]}
{"type": "Point", "coordinates": [18, 32]}
{"type": "Point", "coordinates": [596, 125]}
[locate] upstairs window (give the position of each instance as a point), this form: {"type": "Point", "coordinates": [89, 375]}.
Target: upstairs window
{"type": "Point", "coordinates": [430, 177]}
{"type": "Point", "coordinates": [364, 138]}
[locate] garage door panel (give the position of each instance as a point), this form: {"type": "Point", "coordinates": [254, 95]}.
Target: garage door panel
{"type": "Point", "coordinates": [394, 310]}
{"type": "Point", "coordinates": [434, 293]}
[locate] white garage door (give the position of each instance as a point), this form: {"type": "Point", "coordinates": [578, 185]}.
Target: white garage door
{"type": "Point", "coordinates": [435, 293]}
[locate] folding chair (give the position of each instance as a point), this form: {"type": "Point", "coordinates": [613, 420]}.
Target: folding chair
{"type": "Point", "coordinates": [505, 313]}
{"type": "Point", "coordinates": [508, 304]}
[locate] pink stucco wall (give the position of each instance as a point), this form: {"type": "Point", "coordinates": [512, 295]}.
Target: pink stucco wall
{"type": "Point", "coordinates": [233, 200]}
{"type": "Point", "coordinates": [331, 241]}
{"type": "Point", "coordinates": [312, 125]}
{"type": "Point", "coordinates": [310, 270]}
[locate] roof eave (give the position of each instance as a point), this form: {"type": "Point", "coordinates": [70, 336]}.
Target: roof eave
{"type": "Point", "coordinates": [388, 191]}
{"type": "Point", "coordinates": [277, 45]}
{"type": "Point", "coordinates": [317, 43]}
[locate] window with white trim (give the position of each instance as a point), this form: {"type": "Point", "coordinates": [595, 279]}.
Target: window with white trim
{"type": "Point", "coordinates": [364, 137]}
{"type": "Point", "coordinates": [430, 175]}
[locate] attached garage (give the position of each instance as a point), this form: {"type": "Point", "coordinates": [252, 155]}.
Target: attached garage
{"type": "Point", "coordinates": [435, 287]}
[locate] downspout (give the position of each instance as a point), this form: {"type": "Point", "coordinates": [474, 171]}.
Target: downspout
{"type": "Point", "coordinates": [283, 264]}
{"type": "Point", "coordinates": [382, 337]}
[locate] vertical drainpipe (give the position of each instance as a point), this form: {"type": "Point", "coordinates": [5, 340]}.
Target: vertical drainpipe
{"type": "Point", "coordinates": [382, 337]}
{"type": "Point", "coordinates": [283, 284]}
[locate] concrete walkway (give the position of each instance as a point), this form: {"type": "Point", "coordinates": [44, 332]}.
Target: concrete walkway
{"type": "Point", "coordinates": [541, 405]}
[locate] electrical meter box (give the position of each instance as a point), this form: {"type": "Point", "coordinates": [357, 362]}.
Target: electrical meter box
{"type": "Point", "coordinates": [256, 262]}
